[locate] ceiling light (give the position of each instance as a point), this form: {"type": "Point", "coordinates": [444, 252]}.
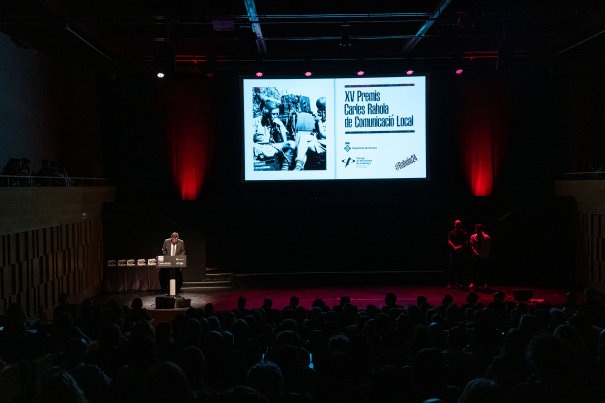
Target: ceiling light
{"type": "Point", "coordinates": [344, 35]}
{"type": "Point", "coordinates": [409, 72]}
{"type": "Point", "coordinates": [164, 60]}
{"type": "Point", "coordinates": [360, 73]}
{"type": "Point", "coordinates": [259, 74]}
{"type": "Point", "coordinates": [459, 71]}
{"type": "Point", "coordinates": [308, 74]}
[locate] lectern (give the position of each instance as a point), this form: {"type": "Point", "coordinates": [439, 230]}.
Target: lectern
{"type": "Point", "coordinates": [174, 263]}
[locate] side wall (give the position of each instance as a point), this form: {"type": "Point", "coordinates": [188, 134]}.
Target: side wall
{"type": "Point", "coordinates": [48, 246]}
{"type": "Point", "coordinates": [589, 220]}
{"type": "Point", "coordinates": [48, 110]}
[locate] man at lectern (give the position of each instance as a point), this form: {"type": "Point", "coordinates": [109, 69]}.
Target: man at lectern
{"type": "Point", "coordinates": [173, 246]}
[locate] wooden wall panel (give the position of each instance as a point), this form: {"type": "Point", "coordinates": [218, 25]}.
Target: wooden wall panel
{"type": "Point", "coordinates": [38, 265]}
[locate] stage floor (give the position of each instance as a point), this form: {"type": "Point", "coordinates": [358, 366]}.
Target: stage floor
{"type": "Point", "coordinates": [360, 296]}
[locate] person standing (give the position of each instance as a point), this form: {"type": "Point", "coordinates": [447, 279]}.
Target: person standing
{"type": "Point", "coordinates": [480, 246]}
{"type": "Point", "coordinates": [458, 242]}
{"type": "Point", "coordinates": [173, 246]}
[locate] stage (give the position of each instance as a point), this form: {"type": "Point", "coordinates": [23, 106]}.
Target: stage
{"type": "Point", "coordinates": [360, 296]}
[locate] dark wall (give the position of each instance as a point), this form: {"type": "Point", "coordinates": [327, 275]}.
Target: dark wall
{"type": "Point", "coordinates": [355, 225]}
{"type": "Point", "coordinates": [48, 110]}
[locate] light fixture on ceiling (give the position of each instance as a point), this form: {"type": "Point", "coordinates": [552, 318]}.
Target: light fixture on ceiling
{"type": "Point", "coordinates": [164, 61]}
{"type": "Point", "coordinates": [345, 36]}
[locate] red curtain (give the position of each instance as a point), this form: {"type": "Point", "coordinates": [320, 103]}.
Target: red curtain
{"type": "Point", "coordinates": [483, 132]}
{"type": "Point", "coordinates": [189, 130]}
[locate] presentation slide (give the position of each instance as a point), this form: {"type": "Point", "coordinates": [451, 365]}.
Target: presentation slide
{"type": "Point", "coordinates": [330, 129]}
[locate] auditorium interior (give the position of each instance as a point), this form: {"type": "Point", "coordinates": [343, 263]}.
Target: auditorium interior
{"type": "Point", "coordinates": [112, 159]}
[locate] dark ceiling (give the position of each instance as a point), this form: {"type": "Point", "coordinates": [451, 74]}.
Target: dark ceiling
{"type": "Point", "coordinates": [127, 33]}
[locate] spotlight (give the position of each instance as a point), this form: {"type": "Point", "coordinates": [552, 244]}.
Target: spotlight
{"type": "Point", "coordinates": [360, 73]}
{"type": "Point", "coordinates": [164, 61]}
{"type": "Point", "coordinates": [308, 74]}
{"type": "Point", "coordinates": [259, 74]}
{"type": "Point", "coordinates": [459, 71]}
{"type": "Point", "coordinates": [344, 36]}
{"type": "Point", "coordinates": [409, 72]}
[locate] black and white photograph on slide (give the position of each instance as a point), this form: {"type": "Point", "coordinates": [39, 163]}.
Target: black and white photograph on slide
{"type": "Point", "coordinates": [289, 129]}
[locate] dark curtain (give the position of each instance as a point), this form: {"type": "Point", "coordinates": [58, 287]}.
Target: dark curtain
{"type": "Point", "coordinates": [189, 132]}
{"type": "Point", "coordinates": [484, 124]}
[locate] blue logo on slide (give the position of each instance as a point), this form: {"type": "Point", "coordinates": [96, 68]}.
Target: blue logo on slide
{"type": "Point", "coordinates": [348, 161]}
{"type": "Point", "coordinates": [347, 148]}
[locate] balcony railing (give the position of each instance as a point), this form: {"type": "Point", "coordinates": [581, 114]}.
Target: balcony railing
{"type": "Point", "coordinates": [579, 176]}
{"type": "Point", "coordinates": [45, 181]}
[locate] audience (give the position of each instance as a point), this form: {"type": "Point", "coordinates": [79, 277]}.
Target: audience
{"type": "Point", "coordinates": [21, 167]}
{"type": "Point", "coordinates": [507, 352]}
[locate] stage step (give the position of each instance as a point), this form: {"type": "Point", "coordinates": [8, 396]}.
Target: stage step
{"type": "Point", "coordinates": [218, 276]}
{"type": "Point", "coordinates": [213, 281]}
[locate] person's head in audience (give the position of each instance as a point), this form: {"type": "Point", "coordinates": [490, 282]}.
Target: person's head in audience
{"type": "Point", "coordinates": [193, 363]}
{"type": "Point", "coordinates": [571, 298]}
{"type": "Point", "coordinates": [429, 370]}
{"type": "Point", "coordinates": [457, 339]}
{"type": "Point", "coordinates": [141, 352]}
{"type": "Point", "coordinates": [287, 338]}
{"type": "Point", "coordinates": [267, 304]}
{"type": "Point", "coordinates": [110, 336]}
{"type": "Point", "coordinates": [553, 360]}
{"type": "Point", "coordinates": [74, 351]}
{"type": "Point", "coordinates": [214, 345]}
{"type": "Point", "coordinates": [63, 299]}
{"type": "Point", "coordinates": [300, 314]}
{"type": "Point", "coordinates": [288, 324]}
{"type": "Point", "coordinates": [209, 309]}
{"type": "Point", "coordinates": [447, 300]}
{"type": "Point", "coordinates": [59, 386]}
{"type": "Point", "coordinates": [191, 313]}
{"type": "Point", "coordinates": [266, 378]}
{"type": "Point", "coordinates": [344, 300]}
{"type": "Point", "coordinates": [483, 390]}
{"type": "Point", "coordinates": [499, 297]}
{"type": "Point", "coordinates": [294, 301]}
{"type": "Point", "coordinates": [472, 298]}
{"type": "Point", "coordinates": [515, 343]}
{"type": "Point", "coordinates": [571, 336]}
{"type": "Point", "coordinates": [137, 303]}
{"type": "Point", "coordinates": [339, 344]}
{"type": "Point", "coordinates": [421, 300]}
{"type": "Point", "coordinates": [558, 317]}
{"type": "Point", "coordinates": [241, 394]}
{"type": "Point", "coordinates": [143, 328]}
{"type": "Point", "coordinates": [390, 299]}
{"type": "Point", "coordinates": [168, 383]}
{"type": "Point", "coordinates": [214, 323]}
{"type": "Point", "coordinates": [318, 303]}
{"type": "Point", "coordinates": [241, 303]}
{"type": "Point", "coordinates": [163, 331]}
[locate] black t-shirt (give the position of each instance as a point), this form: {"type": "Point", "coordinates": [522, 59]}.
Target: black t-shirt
{"type": "Point", "coordinates": [458, 237]}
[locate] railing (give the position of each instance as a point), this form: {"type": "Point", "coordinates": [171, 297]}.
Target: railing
{"type": "Point", "coordinates": [578, 176]}
{"type": "Point", "coordinates": [35, 181]}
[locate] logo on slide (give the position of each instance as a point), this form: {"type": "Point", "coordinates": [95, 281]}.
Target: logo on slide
{"type": "Point", "coordinates": [160, 259]}
{"type": "Point", "coordinates": [406, 162]}
{"type": "Point", "coordinates": [347, 147]}
{"type": "Point", "coordinates": [348, 161]}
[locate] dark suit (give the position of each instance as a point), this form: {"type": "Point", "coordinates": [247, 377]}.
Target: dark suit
{"type": "Point", "coordinates": [164, 274]}
{"type": "Point", "coordinates": [167, 248]}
